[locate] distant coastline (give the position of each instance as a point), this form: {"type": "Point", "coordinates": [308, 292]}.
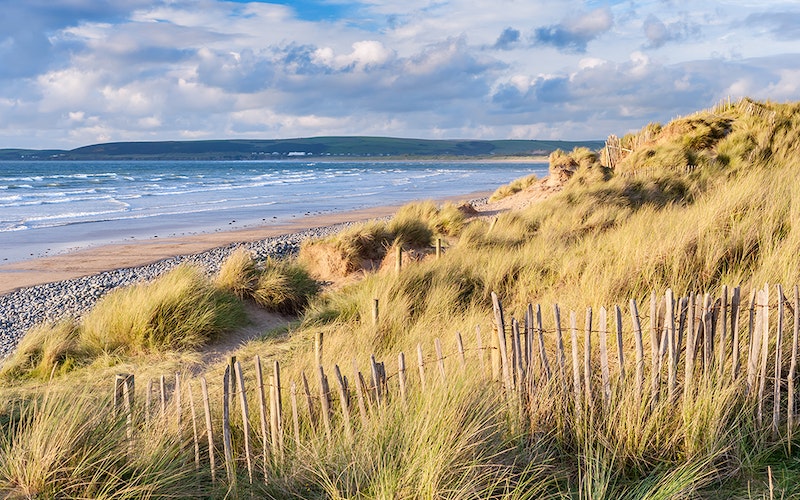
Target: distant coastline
{"type": "Point", "coordinates": [305, 149]}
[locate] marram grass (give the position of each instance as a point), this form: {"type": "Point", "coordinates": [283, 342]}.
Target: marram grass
{"type": "Point", "coordinates": [706, 201]}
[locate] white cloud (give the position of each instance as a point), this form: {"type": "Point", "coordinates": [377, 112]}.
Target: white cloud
{"type": "Point", "coordinates": [77, 72]}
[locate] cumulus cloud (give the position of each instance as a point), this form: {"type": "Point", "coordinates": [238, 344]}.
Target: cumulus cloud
{"type": "Point", "coordinates": [658, 33]}
{"type": "Point", "coordinates": [574, 33]}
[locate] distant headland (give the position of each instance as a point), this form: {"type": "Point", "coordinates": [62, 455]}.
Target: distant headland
{"type": "Point", "coordinates": [300, 148]}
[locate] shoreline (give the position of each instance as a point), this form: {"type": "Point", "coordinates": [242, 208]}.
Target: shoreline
{"type": "Point", "coordinates": [109, 257]}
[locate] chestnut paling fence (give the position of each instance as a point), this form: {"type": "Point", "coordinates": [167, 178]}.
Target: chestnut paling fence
{"type": "Point", "coordinates": [747, 344]}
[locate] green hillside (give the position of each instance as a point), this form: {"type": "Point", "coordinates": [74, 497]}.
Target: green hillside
{"type": "Point", "coordinates": [675, 214]}
{"type": "Point", "coordinates": [302, 147]}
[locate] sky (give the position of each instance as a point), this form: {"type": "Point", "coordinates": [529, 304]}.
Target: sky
{"type": "Point", "coordinates": [79, 72]}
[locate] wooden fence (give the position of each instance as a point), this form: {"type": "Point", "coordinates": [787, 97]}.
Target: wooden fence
{"type": "Point", "coordinates": [692, 340]}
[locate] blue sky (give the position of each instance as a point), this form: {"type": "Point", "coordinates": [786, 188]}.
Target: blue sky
{"type": "Point", "coordinates": [77, 72]}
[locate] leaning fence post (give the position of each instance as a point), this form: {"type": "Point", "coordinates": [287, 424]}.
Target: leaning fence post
{"type": "Point", "coordinates": [326, 405]}
{"type": "Point", "coordinates": [723, 333]}
{"type": "Point", "coordinates": [735, 306]}
{"type": "Point", "coordinates": [362, 406]}
{"type": "Point", "coordinates": [560, 357]}
{"type": "Point", "coordinates": [460, 347]}
{"type": "Point", "coordinates": [672, 359]}
{"type": "Point", "coordinates": [762, 386]}
{"type": "Point", "coordinates": [209, 429]}
{"type": "Point", "coordinates": [295, 418]}
{"type": "Point", "coordinates": [620, 348]}
{"type": "Point", "coordinates": [654, 347]}
{"type": "Point", "coordinates": [344, 402]}
{"type": "Point", "coordinates": [501, 339]}
{"type": "Point", "coordinates": [245, 421]}
{"type": "Point", "coordinates": [194, 430]}
{"type": "Point", "coordinates": [542, 353]}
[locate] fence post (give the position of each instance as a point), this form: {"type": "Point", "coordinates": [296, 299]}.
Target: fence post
{"type": "Point", "coordinates": [262, 410]}
{"type": "Point", "coordinates": [654, 348]}
{"type": "Point", "coordinates": [245, 421]}
{"type": "Point", "coordinates": [295, 417]}
{"type": "Point", "coordinates": [421, 365]}
{"type": "Point", "coordinates": [792, 371]}
{"type": "Point", "coordinates": [362, 407]}
{"type": "Point", "coordinates": [326, 404]}
{"type": "Point", "coordinates": [501, 339]}
{"type": "Point", "coordinates": [669, 320]}
{"type": "Point", "coordinates": [560, 357]}
{"type": "Point", "coordinates": [344, 400]}
{"type": "Point", "coordinates": [194, 430]}
{"type": "Point", "coordinates": [318, 339]}
{"type": "Point", "coordinates": [764, 353]}
{"type": "Point", "coordinates": [542, 353]}
{"type": "Point", "coordinates": [753, 324]}
{"type": "Point", "coordinates": [209, 429]}
{"type": "Point", "coordinates": [398, 259]}
{"type": "Point", "coordinates": [587, 358]}
{"type": "Point", "coordinates": [576, 376]}
{"type": "Point", "coordinates": [401, 374]}
{"type": "Point", "coordinates": [723, 333]}
{"type": "Point", "coordinates": [776, 381]}
{"type": "Point", "coordinates": [604, 369]}
{"type": "Point", "coordinates": [309, 401]}
{"type": "Point", "coordinates": [460, 346]}
{"type": "Point", "coordinates": [276, 369]}
{"type": "Point", "coordinates": [375, 312]}
{"type": "Point", "coordinates": [620, 348]}
{"type": "Point", "coordinates": [440, 359]}
{"type": "Point", "coordinates": [735, 306]}
{"type": "Point", "coordinates": [637, 336]}
{"type": "Point", "coordinates": [226, 427]}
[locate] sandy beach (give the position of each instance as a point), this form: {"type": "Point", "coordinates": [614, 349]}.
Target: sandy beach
{"type": "Point", "coordinates": [102, 258]}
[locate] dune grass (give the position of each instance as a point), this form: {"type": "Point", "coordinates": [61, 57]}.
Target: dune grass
{"type": "Point", "coordinates": [707, 200]}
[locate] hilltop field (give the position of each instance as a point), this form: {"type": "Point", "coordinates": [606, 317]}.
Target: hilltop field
{"type": "Point", "coordinates": [615, 330]}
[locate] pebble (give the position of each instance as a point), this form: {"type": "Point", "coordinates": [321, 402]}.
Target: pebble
{"type": "Point", "coordinates": [24, 308]}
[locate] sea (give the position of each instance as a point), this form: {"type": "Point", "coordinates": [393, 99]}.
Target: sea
{"type": "Point", "coordinates": [53, 207]}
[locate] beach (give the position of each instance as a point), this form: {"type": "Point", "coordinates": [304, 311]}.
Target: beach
{"type": "Point", "coordinates": [67, 285]}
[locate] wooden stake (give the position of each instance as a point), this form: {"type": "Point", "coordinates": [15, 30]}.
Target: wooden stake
{"type": "Point", "coordinates": [262, 411]}
{"type": "Point", "coordinates": [344, 400]}
{"type": "Point", "coordinates": [604, 370]}
{"type": "Point", "coordinates": [362, 406]}
{"type": "Point", "coordinates": [762, 386]}
{"type": "Point", "coordinates": [398, 259]}
{"type": "Point", "coordinates": [560, 357]}
{"type": "Point", "coordinates": [576, 376]}
{"type": "Point", "coordinates": [481, 351]}
{"type": "Point", "coordinates": [421, 365]}
{"type": "Point", "coordinates": [309, 401]}
{"type": "Point", "coordinates": [776, 380]}
{"type": "Point", "coordinates": [501, 340]}
{"type": "Point", "coordinates": [723, 333]}
{"type": "Point", "coordinates": [226, 427]}
{"type": "Point", "coordinates": [637, 336]}
{"type": "Point", "coordinates": [672, 359]}
{"type": "Point", "coordinates": [276, 370]}
{"type": "Point", "coordinates": [376, 379]}
{"type": "Point", "coordinates": [401, 375]}
{"type": "Point", "coordinates": [194, 431]}
{"type": "Point", "coordinates": [326, 404]}
{"type": "Point", "coordinates": [440, 359]}
{"type": "Point", "coordinates": [688, 377]}
{"type": "Point", "coordinates": [516, 354]}
{"type": "Point", "coordinates": [620, 347]}
{"type": "Point", "coordinates": [209, 429]}
{"type": "Point", "coordinates": [295, 416]}
{"type": "Point", "coordinates": [790, 407]}
{"type": "Point", "coordinates": [163, 387]}
{"type": "Point", "coordinates": [178, 406]}
{"type": "Point", "coordinates": [460, 347]}
{"type": "Point", "coordinates": [654, 348]}
{"type": "Point", "coordinates": [587, 358]}
{"type": "Point", "coordinates": [438, 248]}
{"type": "Point", "coordinates": [318, 339]}
{"type": "Point", "coordinates": [375, 312]}
{"type": "Point", "coordinates": [245, 421]}
{"type": "Point", "coordinates": [542, 352]}
{"type": "Point", "coordinates": [735, 351]}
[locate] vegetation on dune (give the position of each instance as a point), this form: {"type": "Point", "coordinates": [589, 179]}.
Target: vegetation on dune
{"type": "Point", "coordinates": [707, 200]}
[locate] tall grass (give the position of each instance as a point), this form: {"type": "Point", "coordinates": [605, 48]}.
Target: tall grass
{"type": "Point", "coordinates": [702, 202]}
